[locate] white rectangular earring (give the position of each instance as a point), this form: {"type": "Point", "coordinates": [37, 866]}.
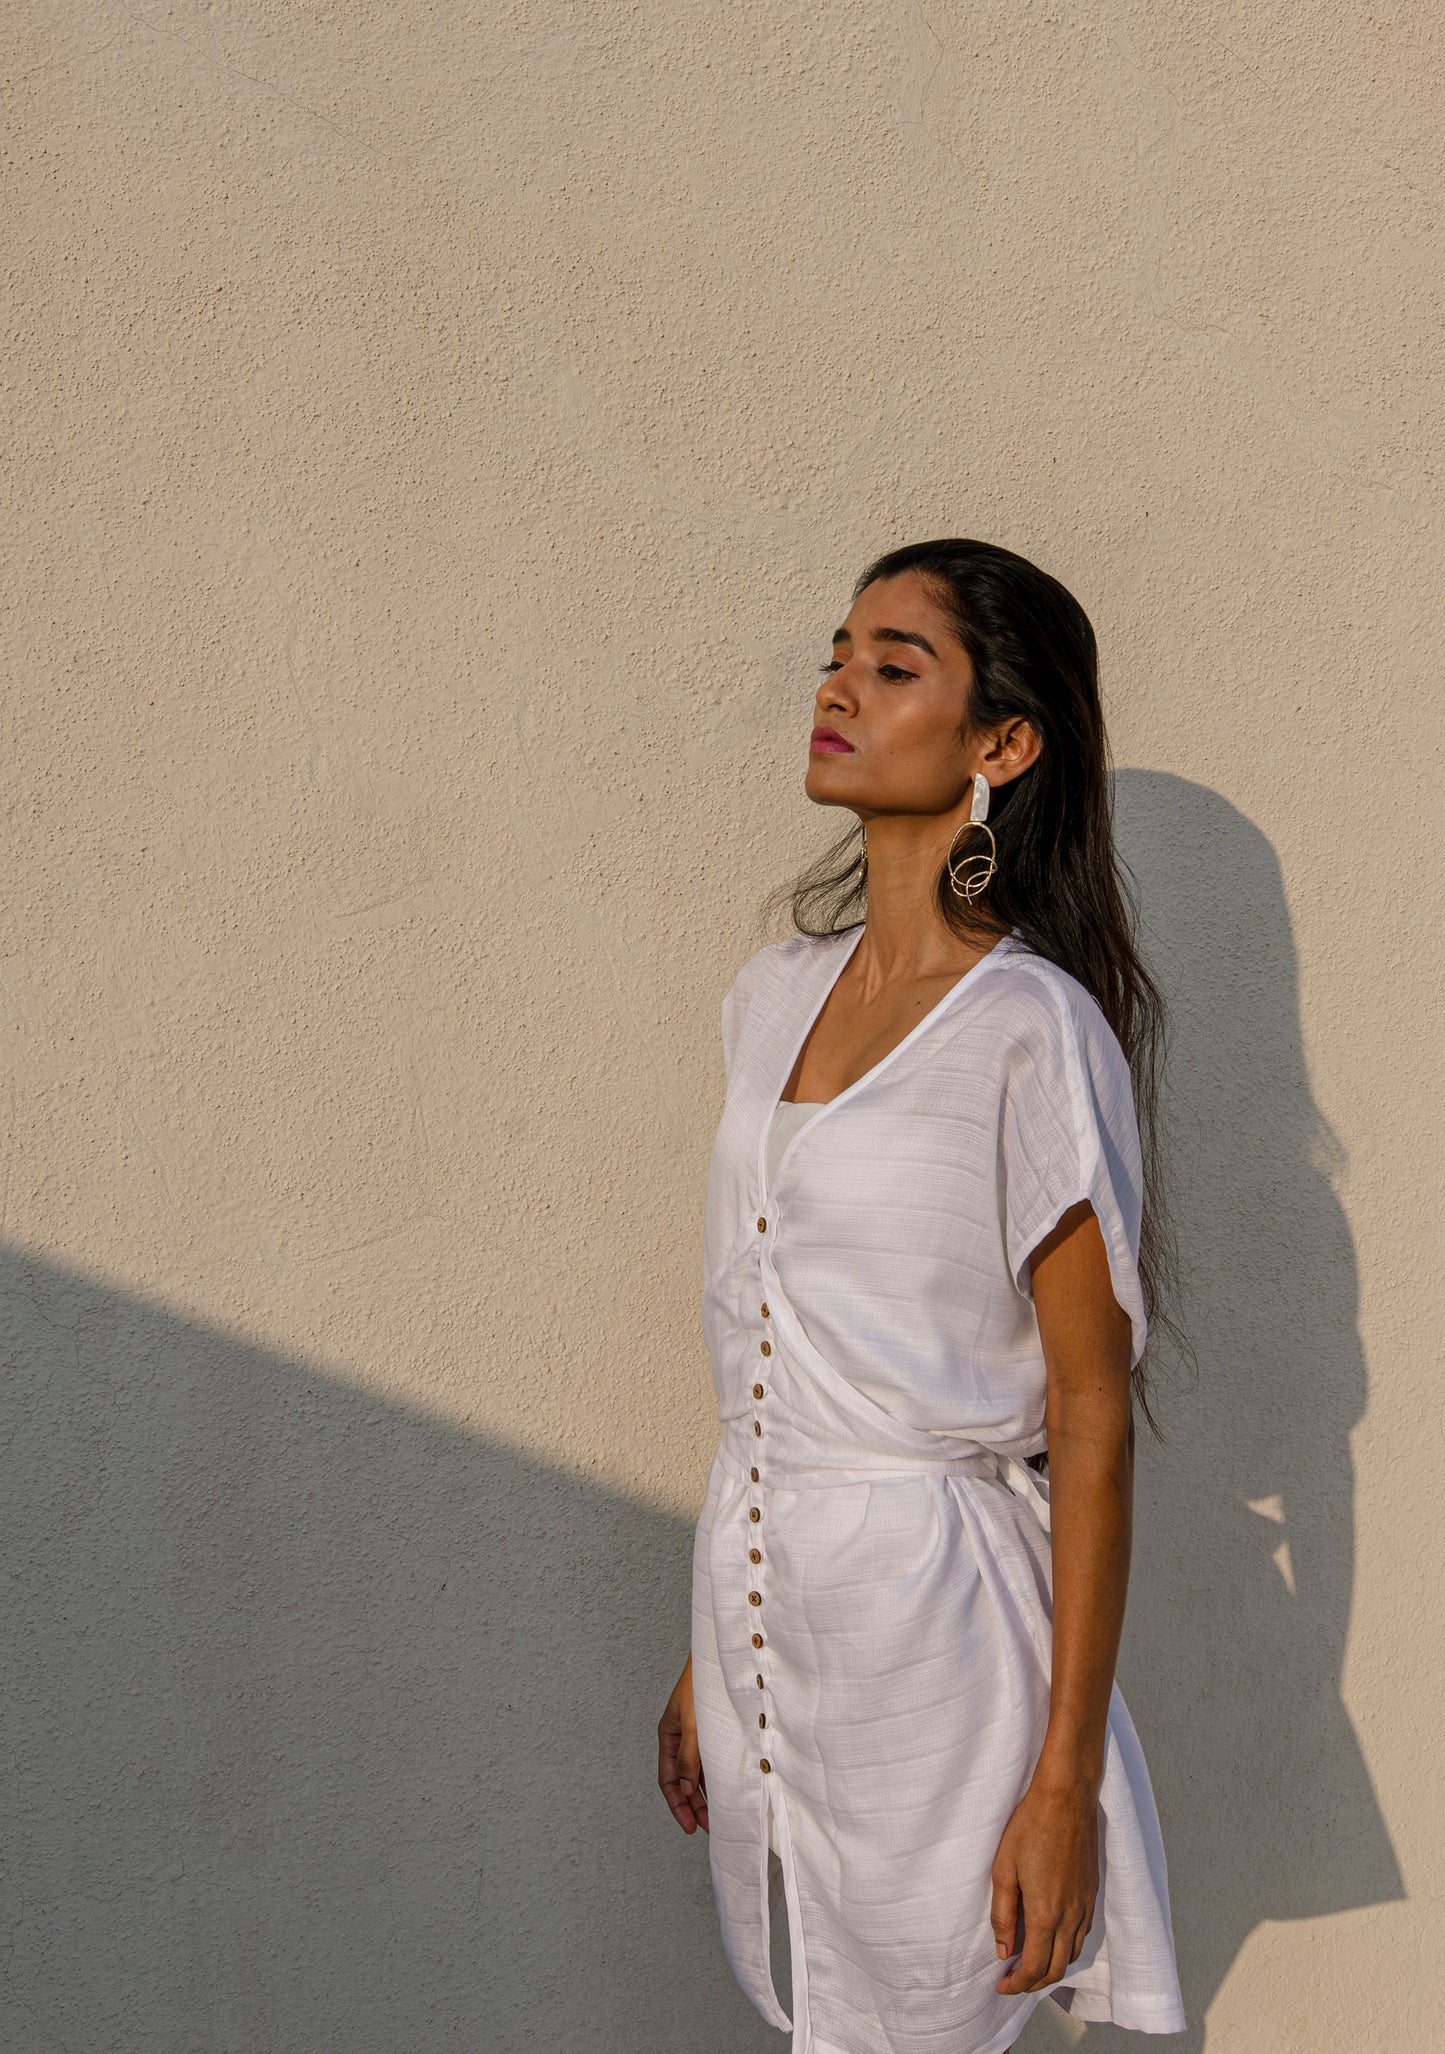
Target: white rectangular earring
{"type": "Point", "coordinates": [968, 876]}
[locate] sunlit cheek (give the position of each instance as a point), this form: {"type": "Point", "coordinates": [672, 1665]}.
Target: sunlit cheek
{"type": "Point", "coordinates": [928, 744]}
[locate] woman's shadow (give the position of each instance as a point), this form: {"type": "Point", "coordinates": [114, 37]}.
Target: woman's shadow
{"type": "Point", "coordinates": [1244, 1544]}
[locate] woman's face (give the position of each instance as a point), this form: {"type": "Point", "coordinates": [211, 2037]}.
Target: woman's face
{"type": "Point", "coordinates": [896, 691]}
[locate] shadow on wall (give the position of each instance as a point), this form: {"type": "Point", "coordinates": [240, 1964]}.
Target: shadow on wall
{"type": "Point", "coordinates": [330, 1726]}
{"type": "Point", "coordinates": [1244, 1547]}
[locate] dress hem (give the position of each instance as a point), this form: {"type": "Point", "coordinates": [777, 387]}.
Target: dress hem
{"type": "Point", "coordinates": [1129, 2019]}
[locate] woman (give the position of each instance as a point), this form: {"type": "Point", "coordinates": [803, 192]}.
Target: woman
{"type": "Point", "coordinates": [927, 1260]}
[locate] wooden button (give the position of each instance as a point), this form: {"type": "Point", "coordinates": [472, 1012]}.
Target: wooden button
{"type": "Point", "coordinates": [766, 1766]}
{"type": "Point", "coordinates": [754, 1514]}
{"type": "Point", "coordinates": [755, 1597]}
{"type": "Point", "coordinates": [757, 1640]}
{"type": "Point", "coordinates": [764, 1310]}
{"type": "Point", "coordinates": [755, 1554]}
{"type": "Point", "coordinates": [753, 1474]}
{"type": "Point", "coordinates": [765, 1347]}
{"type": "Point", "coordinates": [759, 1682]}
{"type": "Point", "coordinates": [757, 1390]}
{"type": "Point", "coordinates": [762, 1718]}
{"type": "Point", "coordinates": [762, 1224]}
{"type": "Point", "coordinates": [757, 1429]}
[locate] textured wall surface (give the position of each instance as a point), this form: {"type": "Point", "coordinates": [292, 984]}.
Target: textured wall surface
{"type": "Point", "coordinates": [438, 444]}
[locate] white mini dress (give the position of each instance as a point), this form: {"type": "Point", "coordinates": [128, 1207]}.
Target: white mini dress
{"type": "Point", "coordinates": [871, 1569]}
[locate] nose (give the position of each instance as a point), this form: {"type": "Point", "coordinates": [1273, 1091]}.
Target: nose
{"type": "Point", "coordinates": [836, 689]}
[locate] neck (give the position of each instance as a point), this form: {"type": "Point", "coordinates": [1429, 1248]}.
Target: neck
{"type": "Point", "coordinates": [905, 935]}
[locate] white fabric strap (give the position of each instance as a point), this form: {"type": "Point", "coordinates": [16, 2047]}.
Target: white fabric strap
{"type": "Point", "coordinates": [1027, 1484]}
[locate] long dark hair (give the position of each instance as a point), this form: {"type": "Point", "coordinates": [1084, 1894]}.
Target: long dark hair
{"type": "Point", "coordinates": [1059, 878]}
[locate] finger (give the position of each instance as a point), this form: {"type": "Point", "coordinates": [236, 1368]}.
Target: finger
{"type": "Point", "coordinates": [680, 1802]}
{"type": "Point", "coordinates": [1032, 1963]}
{"type": "Point", "coordinates": [684, 1788]}
{"type": "Point", "coordinates": [669, 1739]}
{"type": "Point", "coordinates": [1085, 1927]}
{"type": "Point", "coordinates": [1060, 1954]}
{"type": "Point", "coordinates": [670, 1779]}
{"type": "Point", "coordinates": [1003, 1914]}
{"type": "Point", "coordinates": [689, 1761]}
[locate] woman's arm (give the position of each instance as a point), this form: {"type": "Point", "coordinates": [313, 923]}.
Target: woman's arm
{"type": "Point", "coordinates": [1046, 1872]}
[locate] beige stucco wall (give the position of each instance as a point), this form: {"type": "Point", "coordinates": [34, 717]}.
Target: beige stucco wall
{"type": "Point", "coordinates": [438, 444]}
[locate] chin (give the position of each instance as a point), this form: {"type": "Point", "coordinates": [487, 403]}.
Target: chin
{"type": "Point", "coordinates": [827, 772]}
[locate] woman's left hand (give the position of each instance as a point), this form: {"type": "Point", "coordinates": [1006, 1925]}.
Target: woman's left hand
{"type": "Point", "coordinates": [1045, 1880]}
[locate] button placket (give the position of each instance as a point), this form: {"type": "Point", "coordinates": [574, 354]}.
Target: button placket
{"type": "Point", "coordinates": [755, 1514]}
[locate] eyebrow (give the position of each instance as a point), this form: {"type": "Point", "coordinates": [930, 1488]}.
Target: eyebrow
{"type": "Point", "coordinates": [891, 635]}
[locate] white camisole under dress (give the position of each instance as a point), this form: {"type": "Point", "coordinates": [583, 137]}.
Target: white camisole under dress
{"type": "Point", "coordinates": [871, 1571]}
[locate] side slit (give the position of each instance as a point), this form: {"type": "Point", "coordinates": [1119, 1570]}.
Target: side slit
{"type": "Point", "coordinates": [765, 1882]}
{"type": "Point", "coordinates": [802, 2014]}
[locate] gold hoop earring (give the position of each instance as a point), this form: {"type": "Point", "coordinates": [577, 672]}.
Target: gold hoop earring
{"type": "Point", "coordinates": [970, 876]}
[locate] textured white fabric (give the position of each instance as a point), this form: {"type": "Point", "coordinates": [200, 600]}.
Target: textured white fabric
{"type": "Point", "coordinates": [788, 1116]}
{"type": "Point", "coordinates": [787, 1119]}
{"type": "Point", "coordinates": [878, 1370]}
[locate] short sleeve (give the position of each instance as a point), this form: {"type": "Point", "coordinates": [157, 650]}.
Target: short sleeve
{"type": "Point", "coordinates": [1069, 1131]}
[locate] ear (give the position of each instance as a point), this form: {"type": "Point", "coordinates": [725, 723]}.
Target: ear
{"type": "Point", "coordinates": [1011, 748]}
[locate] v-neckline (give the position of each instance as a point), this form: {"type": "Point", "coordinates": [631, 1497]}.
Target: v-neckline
{"type": "Point", "coordinates": [825, 1105]}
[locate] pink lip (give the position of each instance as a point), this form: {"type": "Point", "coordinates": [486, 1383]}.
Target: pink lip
{"type": "Point", "coordinates": [826, 742]}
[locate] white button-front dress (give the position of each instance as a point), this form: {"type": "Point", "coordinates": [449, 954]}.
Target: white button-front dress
{"type": "Point", "coordinates": [871, 1571]}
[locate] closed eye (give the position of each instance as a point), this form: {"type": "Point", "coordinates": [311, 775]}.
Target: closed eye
{"type": "Point", "coordinates": [885, 670]}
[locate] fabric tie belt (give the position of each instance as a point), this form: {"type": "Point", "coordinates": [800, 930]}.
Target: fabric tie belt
{"type": "Point", "coordinates": [792, 1470]}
